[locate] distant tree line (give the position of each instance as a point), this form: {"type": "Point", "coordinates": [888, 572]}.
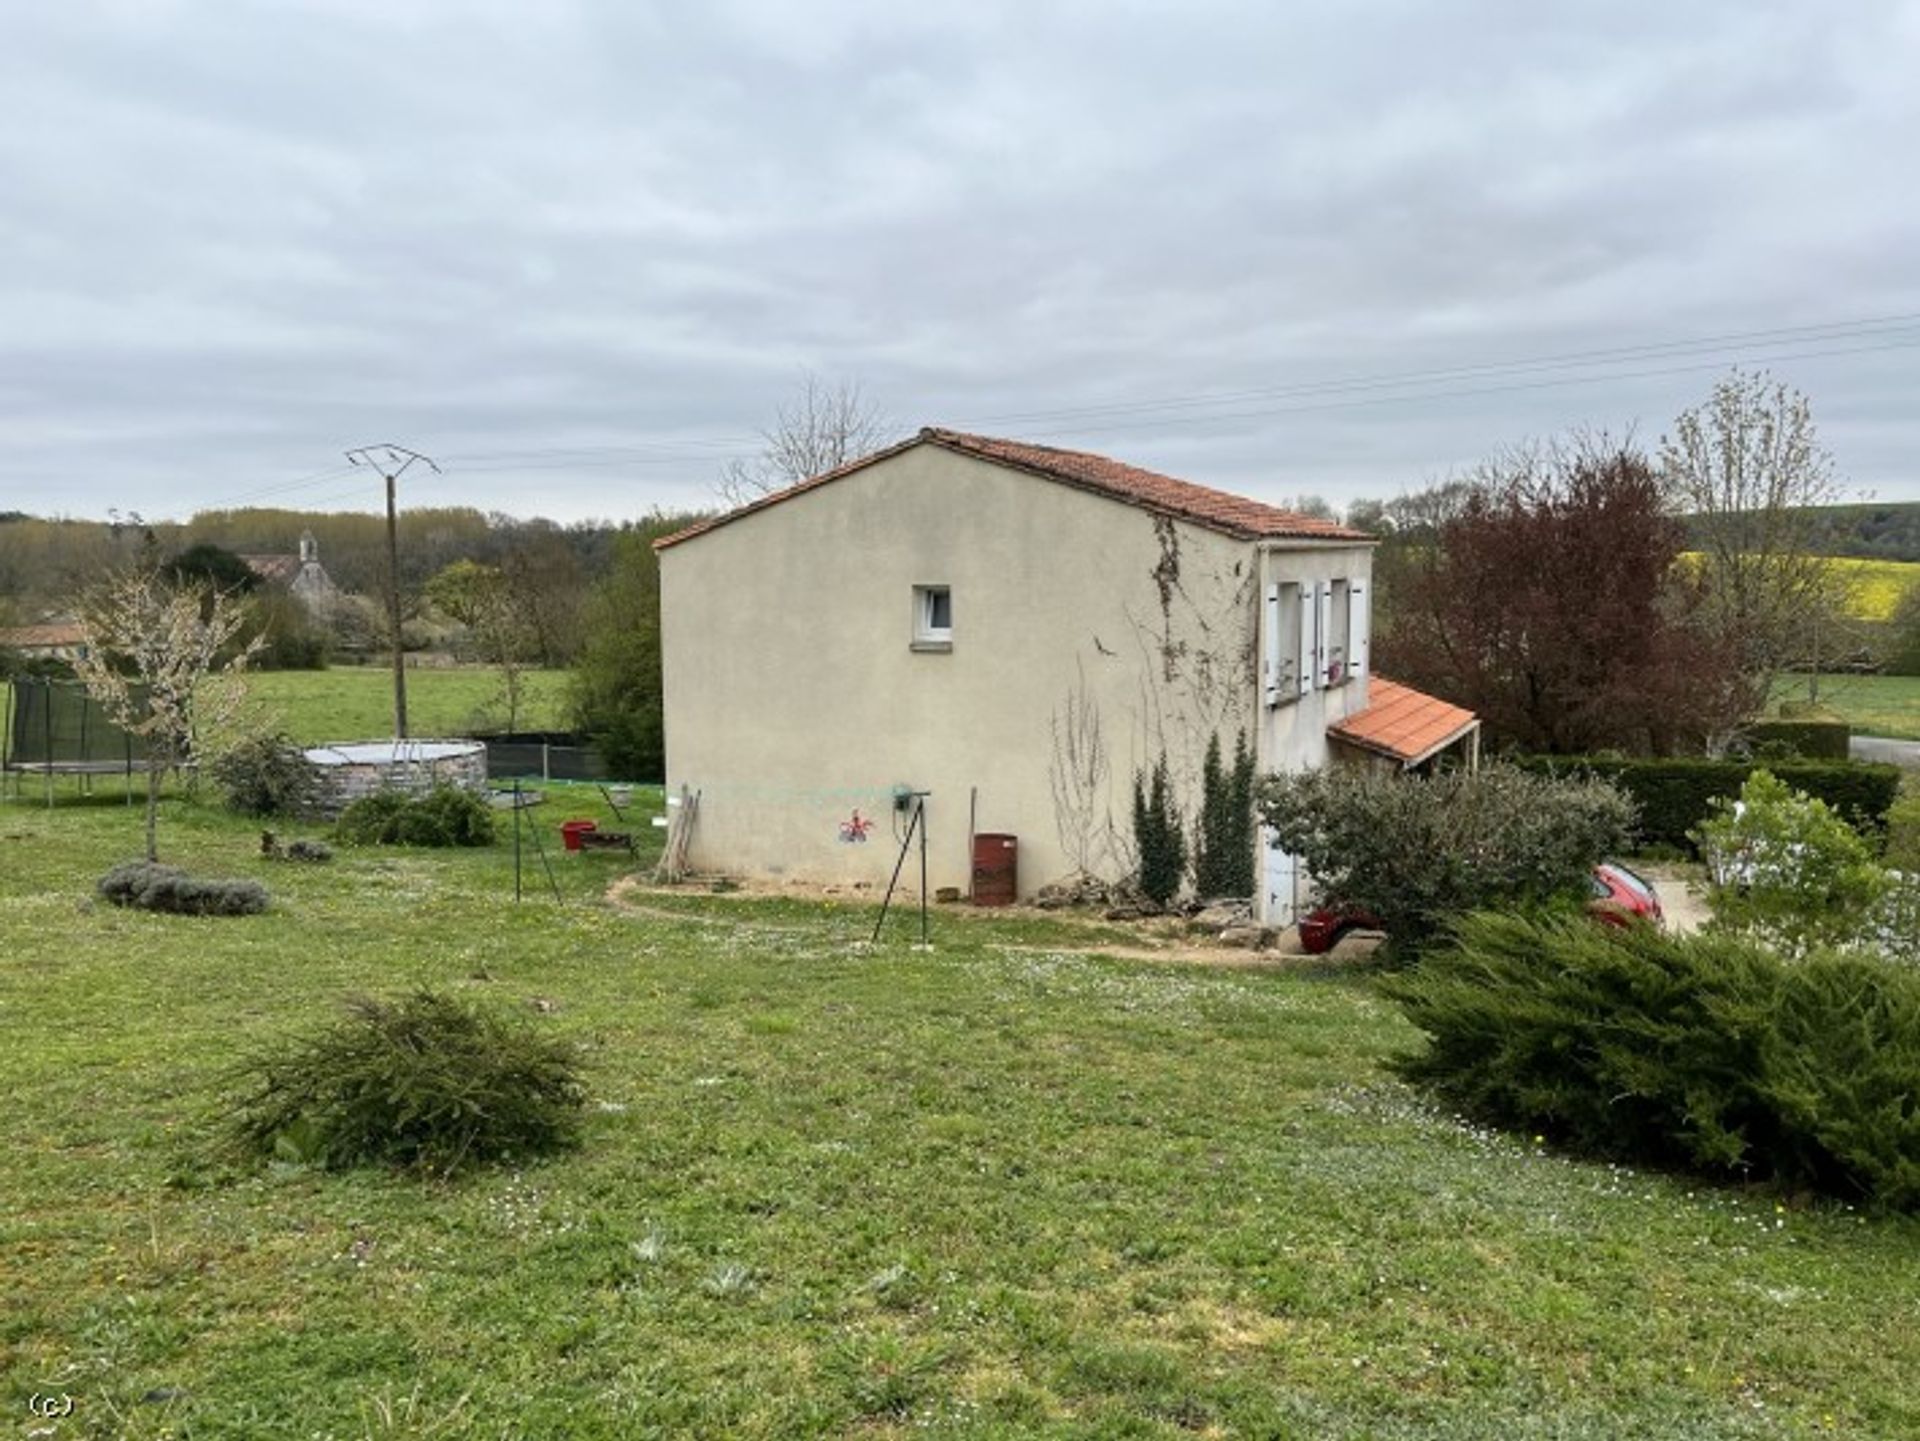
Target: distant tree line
{"type": "Point", "coordinates": [1879, 531]}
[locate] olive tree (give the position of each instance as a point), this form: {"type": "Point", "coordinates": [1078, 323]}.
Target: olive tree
{"type": "Point", "coordinates": [1419, 853]}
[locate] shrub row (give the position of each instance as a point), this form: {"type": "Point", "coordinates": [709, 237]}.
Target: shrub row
{"type": "Point", "coordinates": [1674, 796]}
{"type": "Point", "coordinates": [444, 816]}
{"type": "Point", "coordinates": [1701, 1051]}
{"type": "Point", "coordinates": [146, 886]}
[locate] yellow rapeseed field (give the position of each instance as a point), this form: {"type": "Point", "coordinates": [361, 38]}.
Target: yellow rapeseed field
{"type": "Point", "coordinates": [1874, 587]}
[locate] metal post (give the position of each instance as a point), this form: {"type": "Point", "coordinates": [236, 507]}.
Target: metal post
{"type": "Point", "coordinates": [390, 471]}
{"type": "Point", "coordinates": [923, 870]}
{"type": "Point", "coordinates": [906, 844]}
{"type": "Point", "coordinates": [516, 843]}
{"type": "Point", "coordinates": [393, 619]}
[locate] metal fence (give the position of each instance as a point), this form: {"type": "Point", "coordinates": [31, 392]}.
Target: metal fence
{"type": "Point", "coordinates": [546, 756]}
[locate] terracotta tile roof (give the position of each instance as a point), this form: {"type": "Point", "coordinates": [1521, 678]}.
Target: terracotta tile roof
{"type": "Point", "coordinates": [22, 637]}
{"type": "Point", "coordinates": [273, 567]}
{"type": "Point", "coordinates": [1215, 509]}
{"type": "Point", "coordinates": [1404, 723]}
{"type": "Point", "coordinates": [1232, 515]}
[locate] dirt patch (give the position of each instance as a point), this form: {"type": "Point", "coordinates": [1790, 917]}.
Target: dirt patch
{"type": "Point", "coordinates": [1161, 939]}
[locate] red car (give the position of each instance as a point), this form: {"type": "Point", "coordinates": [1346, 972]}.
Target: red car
{"type": "Point", "coordinates": [1617, 897]}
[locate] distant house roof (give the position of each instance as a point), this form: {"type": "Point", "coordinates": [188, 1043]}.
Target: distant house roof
{"type": "Point", "coordinates": [278, 569]}
{"type": "Point", "coordinates": [1404, 723]}
{"type": "Point", "coordinates": [1233, 515]}
{"type": "Point", "coordinates": [38, 637]}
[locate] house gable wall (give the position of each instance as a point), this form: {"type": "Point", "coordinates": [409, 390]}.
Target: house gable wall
{"type": "Point", "coordinates": [794, 696]}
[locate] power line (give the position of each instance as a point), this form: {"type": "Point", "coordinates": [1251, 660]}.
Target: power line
{"type": "Point", "coordinates": [1455, 394]}
{"type": "Point", "coordinates": [1898, 331]}
{"type": "Point", "coordinates": [1747, 340]}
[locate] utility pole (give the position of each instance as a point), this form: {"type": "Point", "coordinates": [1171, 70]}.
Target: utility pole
{"type": "Point", "coordinates": [390, 462]}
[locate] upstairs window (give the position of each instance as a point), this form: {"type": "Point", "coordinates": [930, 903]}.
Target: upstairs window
{"type": "Point", "coordinates": [1284, 653]}
{"type": "Point", "coordinates": [932, 617]}
{"type": "Point", "coordinates": [1335, 638]}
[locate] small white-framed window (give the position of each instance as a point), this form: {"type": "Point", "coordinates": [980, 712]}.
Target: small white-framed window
{"type": "Point", "coordinates": [1282, 653]}
{"type": "Point", "coordinates": [1339, 631]}
{"type": "Point", "coordinates": [932, 617]}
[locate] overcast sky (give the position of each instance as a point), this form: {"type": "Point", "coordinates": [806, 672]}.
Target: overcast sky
{"type": "Point", "coordinates": [579, 252]}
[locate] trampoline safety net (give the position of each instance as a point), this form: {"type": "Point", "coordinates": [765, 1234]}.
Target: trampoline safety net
{"type": "Point", "coordinates": [56, 726]}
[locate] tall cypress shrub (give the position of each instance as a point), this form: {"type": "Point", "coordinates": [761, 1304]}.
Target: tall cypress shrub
{"type": "Point", "coordinates": [1157, 835]}
{"type": "Point", "coordinates": [1223, 840]}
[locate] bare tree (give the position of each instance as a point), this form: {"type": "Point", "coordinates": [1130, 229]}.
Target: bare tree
{"type": "Point", "coordinates": [153, 660]}
{"type": "Point", "coordinates": [821, 429]}
{"type": "Point", "coordinates": [1079, 772]}
{"type": "Point", "coordinates": [1746, 469]}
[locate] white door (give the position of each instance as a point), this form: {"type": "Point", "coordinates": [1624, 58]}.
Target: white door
{"type": "Point", "coordinates": [1280, 879]}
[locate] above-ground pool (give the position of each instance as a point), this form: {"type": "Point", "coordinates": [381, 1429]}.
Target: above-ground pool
{"type": "Point", "coordinates": [353, 769]}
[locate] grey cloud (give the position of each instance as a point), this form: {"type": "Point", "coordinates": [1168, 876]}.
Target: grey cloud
{"type": "Point", "coordinates": [236, 240]}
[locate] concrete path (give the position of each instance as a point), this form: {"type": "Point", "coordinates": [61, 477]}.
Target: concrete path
{"type": "Point", "coordinates": [1880, 748]}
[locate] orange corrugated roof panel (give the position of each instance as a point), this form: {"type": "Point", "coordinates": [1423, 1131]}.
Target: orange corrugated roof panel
{"type": "Point", "coordinates": [1404, 723]}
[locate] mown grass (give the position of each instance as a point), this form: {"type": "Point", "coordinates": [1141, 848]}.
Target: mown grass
{"type": "Point", "coordinates": [1877, 705]}
{"type": "Point", "coordinates": [995, 1188]}
{"type": "Point", "coordinates": [356, 702]}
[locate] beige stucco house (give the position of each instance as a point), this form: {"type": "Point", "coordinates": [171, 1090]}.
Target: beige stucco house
{"type": "Point", "coordinates": [1015, 631]}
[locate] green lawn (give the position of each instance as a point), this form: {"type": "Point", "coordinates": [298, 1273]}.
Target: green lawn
{"type": "Point", "coordinates": [1879, 705]}
{"type": "Point", "coordinates": [996, 1188]}
{"type": "Point", "coordinates": [356, 702]}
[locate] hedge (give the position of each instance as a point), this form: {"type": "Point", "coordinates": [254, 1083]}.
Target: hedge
{"type": "Point", "coordinates": [1812, 739]}
{"type": "Point", "coordinates": [1674, 795]}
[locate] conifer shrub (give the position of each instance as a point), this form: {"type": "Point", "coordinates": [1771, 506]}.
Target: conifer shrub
{"type": "Point", "coordinates": [444, 816]}
{"type": "Point", "coordinates": [1223, 836]}
{"type": "Point", "coordinates": [427, 1082]}
{"type": "Point", "coordinates": [266, 775]}
{"type": "Point", "coordinates": [1158, 836]}
{"type": "Point", "coordinates": [1708, 1052]}
{"type": "Point", "coordinates": [149, 886]}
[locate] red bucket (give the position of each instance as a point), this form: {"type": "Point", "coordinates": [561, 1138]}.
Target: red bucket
{"type": "Point", "coordinates": [571, 831]}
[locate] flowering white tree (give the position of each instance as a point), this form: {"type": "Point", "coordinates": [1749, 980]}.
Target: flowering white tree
{"type": "Point", "coordinates": [153, 660]}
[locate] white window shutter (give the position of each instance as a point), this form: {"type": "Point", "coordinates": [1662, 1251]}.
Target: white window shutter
{"type": "Point", "coordinates": [1270, 647]}
{"type": "Point", "coordinates": [1303, 671]}
{"type": "Point", "coordinates": [1359, 629]}
{"type": "Point", "coordinates": [1322, 629]}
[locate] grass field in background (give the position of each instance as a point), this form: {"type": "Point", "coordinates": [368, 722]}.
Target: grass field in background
{"type": "Point", "coordinates": [356, 702]}
{"type": "Point", "coordinates": [996, 1188]}
{"type": "Point", "coordinates": [1879, 705]}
